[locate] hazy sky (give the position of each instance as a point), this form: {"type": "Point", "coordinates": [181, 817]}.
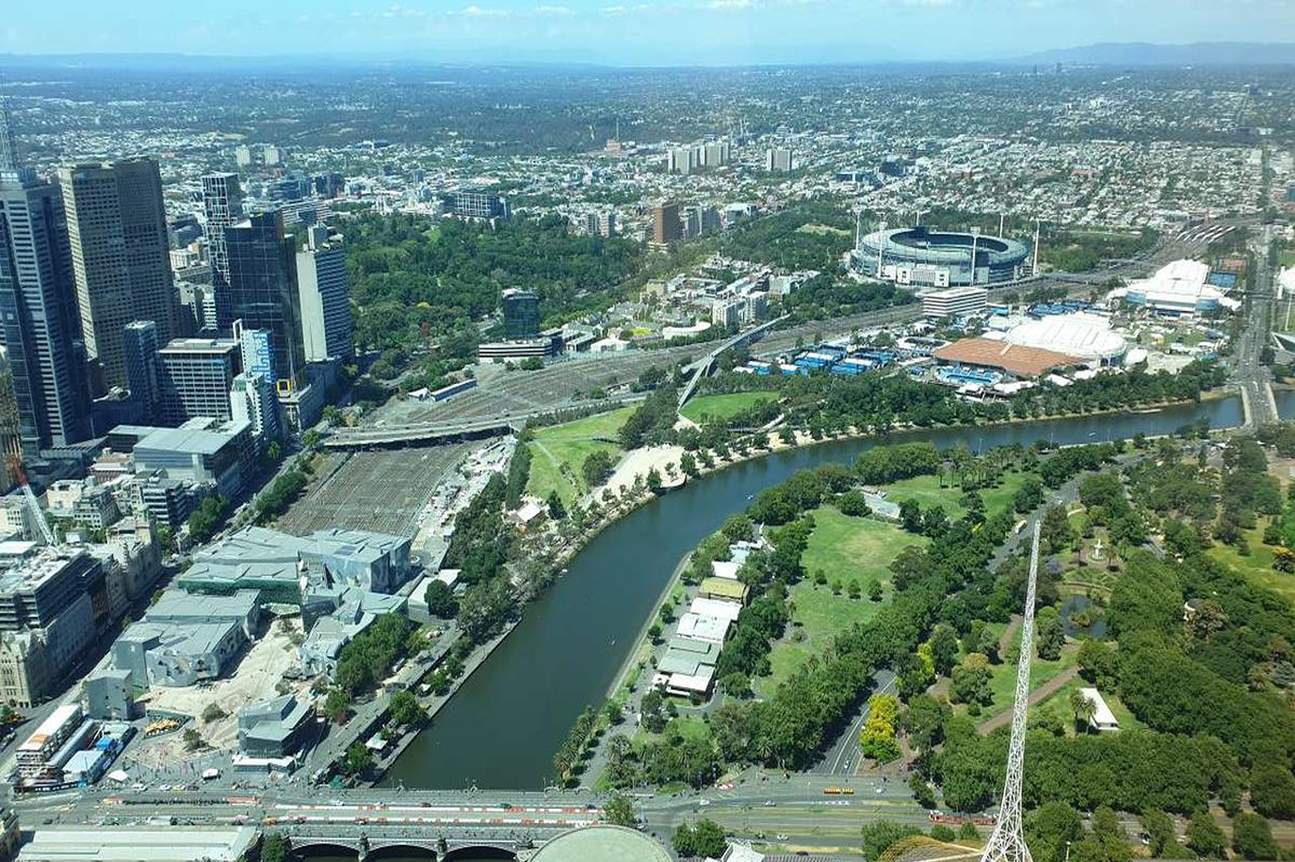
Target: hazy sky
{"type": "Point", "coordinates": [635, 31]}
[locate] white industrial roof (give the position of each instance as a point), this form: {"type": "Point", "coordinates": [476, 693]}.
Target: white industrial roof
{"type": "Point", "coordinates": [703, 628]}
{"type": "Point", "coordinates": [715, 608]}
{"type": "Point", "coordinates": [724, 569]}
{"type": "Point", "coordinates": [1088, 336]}
{"type": "Point", "coordinates": [133, 844]}
{"type": "Point", "coordinates": [1102, 715]}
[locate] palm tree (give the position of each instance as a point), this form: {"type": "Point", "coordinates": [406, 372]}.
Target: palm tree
{"type": "Point", "coordinates": [1084, 708]}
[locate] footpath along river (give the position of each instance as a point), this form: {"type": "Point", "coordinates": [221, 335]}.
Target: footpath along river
{"type": "Point", "coordinates": [503, 726]}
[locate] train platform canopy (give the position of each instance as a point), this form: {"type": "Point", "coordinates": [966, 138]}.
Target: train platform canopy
{"type": "Point", "coordinates": [138, 844]}
{"type": "Point", "coordinates": [1015, 359]}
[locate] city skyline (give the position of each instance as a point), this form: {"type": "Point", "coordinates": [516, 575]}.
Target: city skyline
{"type": "Point", "coordinates": [671, 32]}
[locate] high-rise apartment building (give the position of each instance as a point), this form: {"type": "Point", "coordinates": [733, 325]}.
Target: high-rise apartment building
{"type": "Point", "coordinates": [38, 317]}
{"type": "Point", "coordinates": [666, 227]}
{"type": "Point", "coordinates": [118, 236]}
{"type": "Point", "coordinates": [196, 375]}
{"type": "Point", "coordinates": [327, 325]}
{"type": "Point", "coordinates": [251, 400]}
{"type": "Point", "coordinates": [779, 160]}
{"type": "Point", "coordinates": [222, 205]}
{"type": "Point", "coordinates": [140, 344]}
{"type": "Point", "coordinates": [263, 292]}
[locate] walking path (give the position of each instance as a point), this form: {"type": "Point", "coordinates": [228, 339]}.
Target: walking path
{"type": "Point", "coordinates": [1040, 694]}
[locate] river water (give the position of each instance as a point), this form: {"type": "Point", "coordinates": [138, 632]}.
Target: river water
{"type": "Point", "coordinates": [503, 726]}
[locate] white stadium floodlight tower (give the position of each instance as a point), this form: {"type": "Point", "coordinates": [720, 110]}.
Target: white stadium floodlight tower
{"type": "Point", "coordinates": [1007, 843]}
{"type": "Point", "coordinates": [1034, 270]}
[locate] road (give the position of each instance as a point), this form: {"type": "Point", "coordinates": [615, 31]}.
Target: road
{"type": "Point", "coordinates": [1251, 376]}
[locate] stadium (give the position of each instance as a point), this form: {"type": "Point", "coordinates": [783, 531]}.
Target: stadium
{"type": "Point", "coordinates": [923, 257]}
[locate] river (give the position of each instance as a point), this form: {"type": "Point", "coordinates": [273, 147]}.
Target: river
{"type": "Point", "coordinates": [503, 726]}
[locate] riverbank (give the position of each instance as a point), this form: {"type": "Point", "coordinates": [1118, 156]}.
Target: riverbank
{"type": "Point", "coordinates": [571, 647]}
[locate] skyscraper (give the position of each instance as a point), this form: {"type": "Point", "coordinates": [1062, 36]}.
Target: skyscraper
{"type": "Point", "coordinates": [263, 292]}
{"type": "Point", "coordinates": [326, 322]}
{"type": "Point", "coordinates": [196, 376]}
{"type": "Point", "coordinates": [38, 315]}
{"type": "Point", "coordinates": [117, 232]}
{"type": "Point", "coordinates": [222, 204]}
{"type": "Point", "coordinates": [666, 227]}
{"type": "Point", "coordinates": [521, 314]}
{"type": "Point", "coordinates": [139, 346]}
{"type": "Point", "coordinates": [8, 147]}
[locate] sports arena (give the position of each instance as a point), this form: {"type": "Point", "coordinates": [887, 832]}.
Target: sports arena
{"type": "Point", "coordinates": [923, 257]}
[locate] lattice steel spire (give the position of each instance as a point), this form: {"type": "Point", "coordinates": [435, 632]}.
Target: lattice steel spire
{"type": "Point", "coordinates": [1007, 843]}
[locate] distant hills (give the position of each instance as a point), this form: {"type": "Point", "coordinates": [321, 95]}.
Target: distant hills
{"type": "Point", "coordinates": [1149, 54]}
{"type": "Point", "coordinates": [1120, 54]}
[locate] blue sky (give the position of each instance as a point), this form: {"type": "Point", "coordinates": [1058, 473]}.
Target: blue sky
{"type": "Point", "coordinates": [638, 32]}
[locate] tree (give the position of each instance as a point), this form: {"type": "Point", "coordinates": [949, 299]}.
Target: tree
{"type": "Point", "coordinates": [854, 504]}
{"type": "Point", "coordinates": [910, 516]}
{"type": "Point", "coordinates": [440, 600]}
{"type": "Point", "coordinates": [619, 811]}
{"type": "Point", "coordinates": [213, 712]}
{"type": "Point", "coordinates": [1050, 636]}
{"type": "Point", "coordinates": [1272, 790]}
{"type": "Point", "coordinates": [1056, 534]}
{"type": "Point", "coordinates": [875, 593]}
{"type": "Point", "coordinates": [1084, 709]}
{"type": "Point", "coordinates": [274, 848]}
{"type": "Point", "coordinates": [923, 792]}
{"type": "Point", "coordinates": [1205, 838]}
{"type": "Point", "coordinates": [1050, 827]}
{"type": "Point", "coordinates": [597, 467]}
{"type": "Point", "coordinates": [971, 680]}
{"type": "Point", "coordinates": [557, 511]}
{"type": "Point", "coordinates": [336, 704]}
{"type": "Point", "coordinates": [358, 759]}
{"type": "Point", "coordinates": [877, 738]}
{"type": "Point", "coordinates": [706, 838]}
{"type": "Point", "coordinates": [1159, 827]}
{"type": "Point", "coordinates": [944, 649]}
{"type": "Point", "coordinates": [879, 835]}
{"type": "Point", "coordinates": [405, 709]}
{"type": "Point", "coordinates": [1252, 837]}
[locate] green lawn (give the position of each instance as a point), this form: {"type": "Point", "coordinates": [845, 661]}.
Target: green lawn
{"type": "Point", "coordinates": [569, 444]}
{"type": "Point", "coordinates": [1258, 567]}
{"type": "Point", "coordinates": [927, 492]}
{"type": "Point", "coordinates": [822, 230]}
{"type": "Point", "coordinates": [1059, 704]}
{"type": "Point", "coordinates": [847, 549]}
{"type": "Point", "coordinates": [723, 406]}
{"type": "Point", "coordinates": [1286, 258]}
{"type": "Point", "coordinates": [1003, 682]}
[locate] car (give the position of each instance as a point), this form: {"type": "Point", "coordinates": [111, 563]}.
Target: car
{"type": "Point", "coordinates": [769, 803]}
{"type": "Point", "coordinates": [780, 837]}
{"type": "Point", "coordinates": [703, 802]}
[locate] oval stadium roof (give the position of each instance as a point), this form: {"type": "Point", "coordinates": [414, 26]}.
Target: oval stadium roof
{"type": "Point", "coordinates": [602, 844]}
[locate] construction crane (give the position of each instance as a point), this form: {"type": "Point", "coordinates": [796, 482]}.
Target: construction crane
{"type": "Point", "coordinates": [33, 505]}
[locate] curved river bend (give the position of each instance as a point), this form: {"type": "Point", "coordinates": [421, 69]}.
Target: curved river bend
{"type": "Point", "coordinates": [503, 726]}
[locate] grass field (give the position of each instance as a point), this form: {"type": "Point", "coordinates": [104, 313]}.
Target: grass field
{"type": "Point", "coordinates": [1258, 567]}
{"type": "Point", "coordinates": [927, 492]}
{"type": "Point", "coordinates": [1059, 704]}
{"type": "Point", "coordinates": [1286, 258]}
{"type": "Point", "coordinates": [1003, 681]}
{"type": "Point", "coordinates": [723, 406]}
{"type": "Point", "coordinates": [847, 549]}
{"type": "Point", "coordinates": [568, 445]}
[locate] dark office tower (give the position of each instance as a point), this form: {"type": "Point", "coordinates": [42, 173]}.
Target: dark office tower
{"type": "Point", "coordinates": [116, 227]}
{"type": "Point", "coordinates": [140, 345]}
{"type": "Point", "coordinates": [38, 315]}
{"type": "Point", "coordinates": [222, 204]}
{"type": "Point", "coordinates": [666, 226]}
{"type": "Point", "coordinates": [8, 148]}
{"type": "Point", "coordinates": [521, 314]}
{"type": "Point", "coordinates": [263, 291]}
